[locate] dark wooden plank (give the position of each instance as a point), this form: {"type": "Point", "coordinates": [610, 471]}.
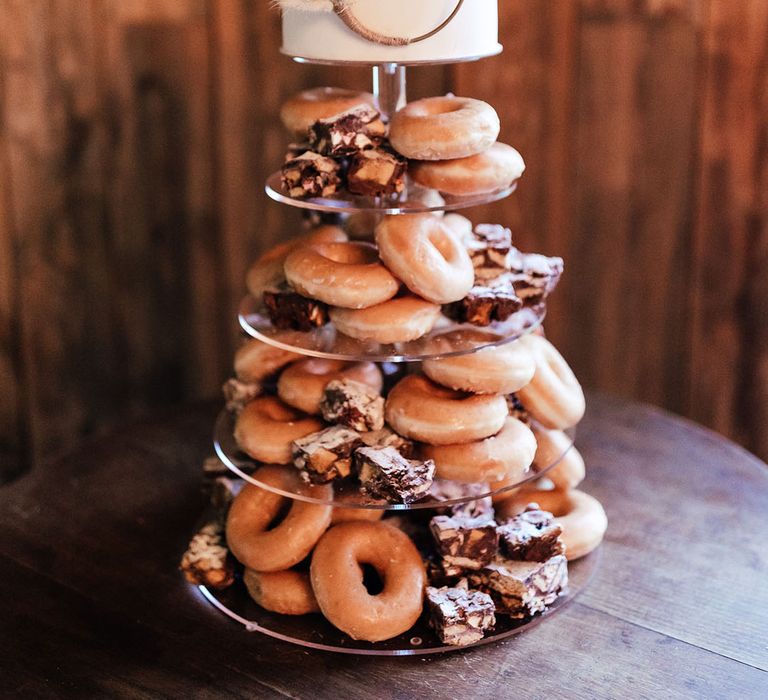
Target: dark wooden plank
{"type": "Point", "coordinates": [729, 345]}
{"type": "Point", "coordinates": [13, 457]}
{"type": "Point", "coordinates": [91, 548]}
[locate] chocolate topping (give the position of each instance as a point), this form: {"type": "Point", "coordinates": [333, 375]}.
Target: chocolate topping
{"type": "Point", "coordinates": [470, 543]}
{"type": "Point", "coordinates": [458, 615]}
{"type": "Point", "coordinates": [289, 310]}
{"type": "Point", "coordinates": [348, 132]}
{"type": "Point", "coordinates": [484, 305]}
{"type": "Point", "coordinates": [353, 404]}
{"type": "Point", "coordinates": [531, 536]}
{"type": "Point", "coordinates": [522, 588]}
{"type": "Point", "coordinates": [311, 175]}
{"type": "Point", "coordinates": [385, 473]}
{"type": "Point", "coordinates": [325, 455]}
{"type": "Point", "coordinates": [376, 173]}
{"type": "Point", "coordinates": [207, 561]}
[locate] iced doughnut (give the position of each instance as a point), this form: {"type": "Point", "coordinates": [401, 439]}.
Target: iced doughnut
{"type": "Point", "coordinates": [554, 396]}
{"type": "Point", "coordinates": [556, 445]}
{"type": "Point", "coordinates": [580, 515]}
{"type": "Point", "coordinates": [305, 108]}
{"type": "Point", "coordinates": [499, 369]}
{"type": "Point", "coordinates": [439, 128]}
{"type": "Point", "coordinates": [337, 580]}
{"type": "Point", "coordinates": [263, 548]}
{"type": "Point", "coordinates": [498, 167]}
{"type": "Point", "coordinates": [266, 427]}
{"type": "Point", "coordinates": [419, 409]}
{"type": "Point", "coordinates": [505, 456]}
{"type": "Point", "coordinates": [267, 272]}
{"type": "Point", "coordinates": [427, 255]}
{"type": "Point", "coordinates": [302, 385]}
{"type": "Point", "coordinates": [286, 592]}
{"type": "Point", "coordinates": [256, 360]}
{"type": "Point", "coordinates": [340, 274]}
{"type": "Point", "coordinates": [395, 321]}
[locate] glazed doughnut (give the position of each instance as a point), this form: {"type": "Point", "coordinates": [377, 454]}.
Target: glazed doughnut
{"type": "Point", "coordinates": [303, 109]}
{"type": "Point", "coordinates": [267, 272]}
{"type": "Point", "coordinates": [459, 224]}
{"type": "Point", "coordinates": [580, 515]}
{"type": "Point", "coordinates": [499, 369]}
{"type": "Point", "coordinates": [340, 274]}
{"type": "Point", "coordinates": [337, 579]}
{"type": "Point", "coordinates": [256, 360]}
{"type": "Point", "coordinates": [498, 167]}
{"type": "Point", "coordinates": [395, 321]}
{"type": "Point", "coordinates": [419, 409]}
{"type": "Point", "coordinates": [286, 592]}
{"type": "Point", "coordinates": [266, 427]}
{"type": "Point", "coordinates": [554, 396]}
{"type": "Point", "coordinates": [249, 536]}
{"type": "Point", "coordinates": [426, 255]}
{"type": "Point", "coordinates": [505, 456]}
{"type": "Point", "coordinates": [302, 385]}
{"type": "Point", "coordinates": [439, 128]}
{"type": "Point", "coordinates": [555, 445]}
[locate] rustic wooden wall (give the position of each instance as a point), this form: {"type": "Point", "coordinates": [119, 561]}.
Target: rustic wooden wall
{"type": "Point", "coordinates": [135, 136]}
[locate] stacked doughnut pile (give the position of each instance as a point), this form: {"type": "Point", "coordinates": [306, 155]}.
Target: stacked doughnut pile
{"type": "Point", "coordinates": [352, 437]}
{"type": "Point", "coordinates": [446, 144]}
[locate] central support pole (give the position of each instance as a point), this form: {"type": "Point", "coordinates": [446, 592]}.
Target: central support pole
{"type": "Point", "coordinates": [389, 88]}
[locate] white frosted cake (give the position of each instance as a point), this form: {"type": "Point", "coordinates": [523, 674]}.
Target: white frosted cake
{"type": "Point", "coordinates": [378, 31]}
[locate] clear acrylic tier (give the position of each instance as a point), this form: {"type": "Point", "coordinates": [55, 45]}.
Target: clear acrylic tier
{"type": "Point", "coordinates": [345, 203]}
{"type": "Point", "coordinates": [446, 339]}
{"type": "Point", "coordinates": [347, 493]}
{"type": "Point", "coordinates": [315, 632]}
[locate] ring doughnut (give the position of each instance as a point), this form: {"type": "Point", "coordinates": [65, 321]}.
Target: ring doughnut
{"type": "Point", "coordinates": [440, 128]}
{"type": "Point", "coordinates": [459, 224]}
{"type": "Point", "coordinates": [556, 445]}
{"type": "Point", "coordinates": [505, 456]}
{"type": "Point", "coordinates": [580, 515]}
{"type": "Point", "coordinates": [337, 579]}
{"type": "Point", "coordinates": [340, 274]}
{"type": "Point", "coordinates": [500, 369]}
{"type": "Point", "coordinates": [255, 360]}
{"type": "Point", "coordinates": [268, 272]}
{"type": "Point", "coordinates": [249, 536]}
{"type": "Point", "coordinates": [426, 255]}
{"type": "Point", "coordinates": [266, 427]}
{"type": "Point", "coordinates": [395, 321]}
{"type": "Point", "coordinates": [422, 410]}
{"type": "Point", "coordinates": [303, 109]}
{"type": "Point", "coordinates": [554, 396]}
{"type": "Point", "coordinates": [302, 385]}
{"type": "Point", "coordinates": [286, 592]}
{"type": "Point", "coordinates": [494, 169]}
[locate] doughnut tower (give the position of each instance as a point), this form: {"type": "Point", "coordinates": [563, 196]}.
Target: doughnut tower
{"type": "Point", "coordinates": [395, 471]}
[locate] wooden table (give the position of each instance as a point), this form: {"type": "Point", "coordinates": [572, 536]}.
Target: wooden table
{"type": "Point", "coordinates": [93, 606]}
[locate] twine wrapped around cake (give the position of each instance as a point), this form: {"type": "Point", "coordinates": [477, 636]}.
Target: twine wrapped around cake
{"type": "Point", "coordinates": [344, 10]}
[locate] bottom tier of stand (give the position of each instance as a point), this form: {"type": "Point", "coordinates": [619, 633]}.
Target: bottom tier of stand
{"type": "Point", "coordinates": [315, 632]}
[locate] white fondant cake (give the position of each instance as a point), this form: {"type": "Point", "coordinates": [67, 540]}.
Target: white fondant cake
{"type": "Point", "coordinates": [365, 32]}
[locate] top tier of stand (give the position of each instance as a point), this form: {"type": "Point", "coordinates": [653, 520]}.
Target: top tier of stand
{"type": "Point", "coordinates": [389, 88]}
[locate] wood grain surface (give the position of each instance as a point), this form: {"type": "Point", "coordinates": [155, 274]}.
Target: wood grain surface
{"type": "Point", "coordinates": [135, 137]}
{"type": "Point", "coordinates": [93, 605]}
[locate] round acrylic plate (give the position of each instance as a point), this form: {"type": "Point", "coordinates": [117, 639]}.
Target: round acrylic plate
{"type": "Point", "coordinates": [446, 339]}
{"type": "Point", "coordinates": [345, 203]}
{"type": "Point", "coordinates": [368, 64]}
{"type": "Point", "coordinates": [315, 632]}
{"type": "Point", "coordinates": [347, 494]}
